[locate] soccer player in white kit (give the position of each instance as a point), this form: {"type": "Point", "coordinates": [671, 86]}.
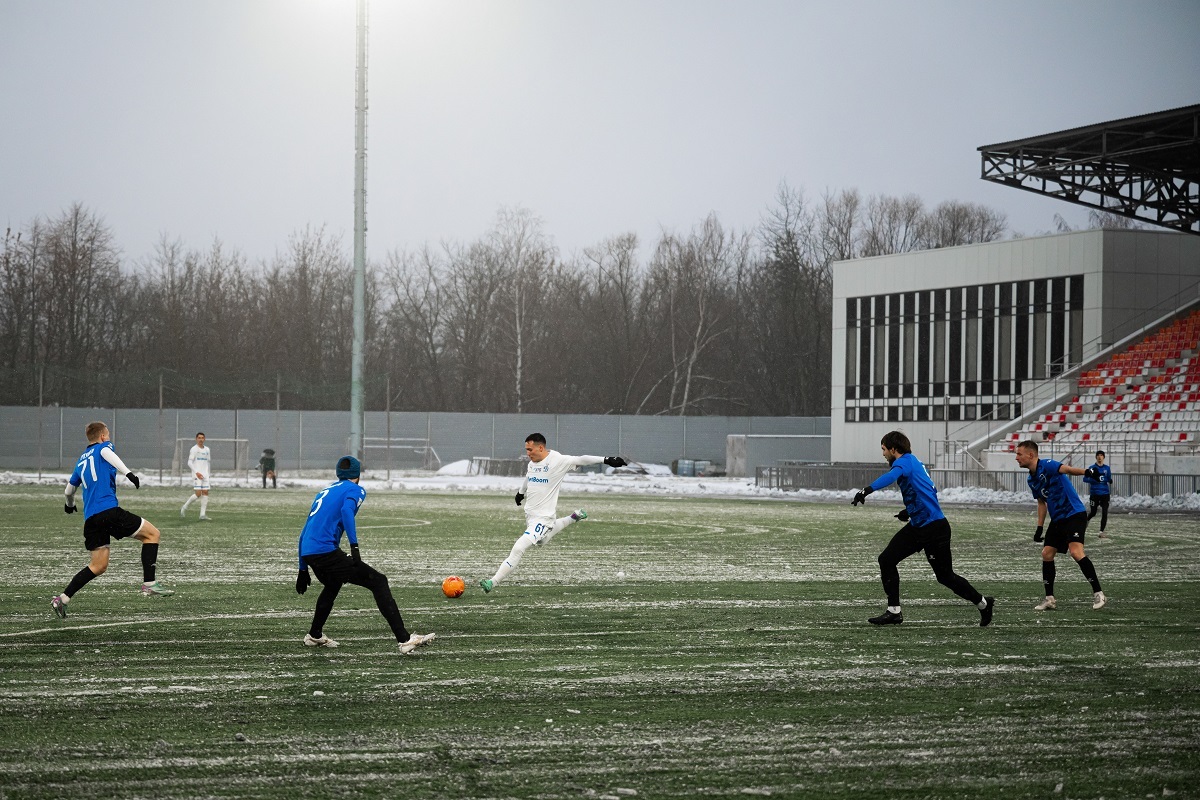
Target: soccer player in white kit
{"type": "Point", "coordinates": [199, 462]}
{"type": "Point", "coordinates": [539, 493]}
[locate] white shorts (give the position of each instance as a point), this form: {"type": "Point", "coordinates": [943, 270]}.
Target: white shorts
{"type": "Point", "coordinates": [539, 529]}
{"type": "Point", "coordinates": [200, 484]}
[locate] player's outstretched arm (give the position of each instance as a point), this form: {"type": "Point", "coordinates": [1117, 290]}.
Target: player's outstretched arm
{"type": "Point", "coordinates": [860, 497]}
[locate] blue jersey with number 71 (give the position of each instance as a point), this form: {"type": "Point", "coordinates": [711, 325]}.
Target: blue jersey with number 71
{"type": "Point", "coordinates": [98, 478]}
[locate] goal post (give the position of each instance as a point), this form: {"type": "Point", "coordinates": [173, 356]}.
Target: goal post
{"type": "Point", "coordinates": [230, 456]}
{"type": "Point", "coordinates": [382, 453]}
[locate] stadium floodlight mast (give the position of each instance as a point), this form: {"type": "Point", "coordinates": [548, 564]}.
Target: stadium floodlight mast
{"type": "Point", "coordinates": [360, 230]}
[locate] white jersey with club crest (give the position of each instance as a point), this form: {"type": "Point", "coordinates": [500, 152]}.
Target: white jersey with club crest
{"type": "Point", "coordinates": [543, 479]}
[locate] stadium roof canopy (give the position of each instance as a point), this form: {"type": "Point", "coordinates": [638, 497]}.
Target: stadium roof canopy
{"type": "Point", "coordinates": [1146, 168]}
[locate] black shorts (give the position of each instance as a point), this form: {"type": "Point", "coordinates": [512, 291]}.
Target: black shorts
{"type": "Point", "coordinates": [115, 523]}
{"type": "Point", "coordinates": [1062, 532]}
{"type": "Point", "coordinates": [1099, 500]}
{"type": "Point", "coordinates": [338, 567]}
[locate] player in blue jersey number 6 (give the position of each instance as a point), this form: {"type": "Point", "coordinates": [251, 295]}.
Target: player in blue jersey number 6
{"type": "Point", "coordinates": [332, 514]}
{"type": "Point", "coordinates": [1055, 493]}
{"type": "Point", "coordinates": [103, 519]}
{"type": "Point", "coordinates": [926, 529]}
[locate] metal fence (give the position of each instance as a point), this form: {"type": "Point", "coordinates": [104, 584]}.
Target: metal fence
{"type": "Point", "coordinates": [51, 438]}
{"type": "Point", "coordinates": [795, 477]}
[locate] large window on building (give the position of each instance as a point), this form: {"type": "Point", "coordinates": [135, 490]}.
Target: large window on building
{"type": "Point", "coordinates": [960, 353]}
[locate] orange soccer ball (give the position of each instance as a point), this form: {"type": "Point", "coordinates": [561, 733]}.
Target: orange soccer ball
{"type": "Point", "coordinates": [453, 586]}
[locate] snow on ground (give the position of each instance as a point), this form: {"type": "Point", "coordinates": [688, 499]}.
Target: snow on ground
{"type": "Point", "coordinates": [455, 477]}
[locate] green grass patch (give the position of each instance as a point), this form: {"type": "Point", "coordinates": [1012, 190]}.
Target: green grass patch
{"type": "Point", "coordinates": [732, 659]}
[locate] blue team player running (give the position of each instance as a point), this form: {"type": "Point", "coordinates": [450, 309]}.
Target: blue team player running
{"type": "Point", "coordinates": [103, 519]}
{"type": "Point", "coordinates": [926, 529]}
{"type": "Point", "coordinates": [332, 514]}
{"type": "Point", "coordinates": [1054, 491]}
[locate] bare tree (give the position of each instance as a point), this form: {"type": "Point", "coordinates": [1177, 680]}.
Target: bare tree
{"type": "Point", "coordinates": [955, 223]}
{"type": "Point", "coordinates": [892, 225]}
{"type": "Point", "coordinates": [473, 284]}
{"type": "Point", "coordinates": [619, 309]}
{"type": "Point", "coordinates": [523, 257]}
{"type": "Point", "coordinates": [694, 279]}
{"type": "Point", "coordinates": [417, 320]}
{"type": "Point", "coordinates": [788, 294]}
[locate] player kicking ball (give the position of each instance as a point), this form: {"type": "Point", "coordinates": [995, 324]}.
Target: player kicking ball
{"type": "Point", "coordinates": [926, 529]}
{"type": "Point", "coordinates": [539, 493]}
{"type": "Point", "coordinates": [332, 514]}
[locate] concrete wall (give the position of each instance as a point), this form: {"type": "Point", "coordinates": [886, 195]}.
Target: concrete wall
{"type": "Point", "coordinates": [52, 438]}
{"type": "Point", "coordinates": [744, 454]}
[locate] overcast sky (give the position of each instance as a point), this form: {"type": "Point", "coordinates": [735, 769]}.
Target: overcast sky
{"type": "Point", "coordinates": [234, 119]}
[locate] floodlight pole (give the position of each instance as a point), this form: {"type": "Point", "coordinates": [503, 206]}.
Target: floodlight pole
{"type": "Point", "coordinates": [360, 231]}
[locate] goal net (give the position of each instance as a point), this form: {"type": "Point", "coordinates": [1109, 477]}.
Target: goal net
{"type": "Point", "coordinates": [381, 453]}
{"type": "Point", "coordinates": [229, 456]}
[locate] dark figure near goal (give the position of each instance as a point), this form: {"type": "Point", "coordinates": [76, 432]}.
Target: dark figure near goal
{"type": "Point", "coordinates": [266, 465]}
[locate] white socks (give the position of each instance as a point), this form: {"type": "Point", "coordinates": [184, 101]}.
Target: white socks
{"type": "Point", "coordinates": [203, 504]}
{"type": "Point", "coordinates": [188, 502]}
{"type": "Point", "coordinates": [514, 558]}
{"type": "Point", "coordinates": [518, 550]}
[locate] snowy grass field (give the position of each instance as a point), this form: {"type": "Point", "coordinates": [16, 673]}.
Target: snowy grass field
{"type": "Point", "coordinates": [732, 659]}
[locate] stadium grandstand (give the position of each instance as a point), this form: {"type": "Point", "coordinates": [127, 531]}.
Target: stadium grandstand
{"type": "Point", "coordinates": [1142, 402]}
{"type": "Point", "coordinates": [1081, 341]}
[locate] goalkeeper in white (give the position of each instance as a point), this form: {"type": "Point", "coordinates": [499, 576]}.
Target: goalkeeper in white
{"type": "Point", "coordinates": [539, 493]}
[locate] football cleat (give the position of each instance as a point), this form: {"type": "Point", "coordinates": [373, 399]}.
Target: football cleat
{"type": "Point", "coordinates": [59, 606]}
{"type": "Point", "coordinates": [414, 641]}
{"type": "Point", "coordinates": [319, 641]}
{"type": "Point", "coordinates": [887, 618]}
{"type": "Point", "coordinates": [156, 588]}
{"type": "Point", "coordinates": [487, 585]}
{"type": "Point", "coordinates": [204, 518]}
{"type": "Point", "coordinates": [1098, 601]}
{"type": "Point", "coordinates": [1046, 605]}
{"type": "Point", "coordinates": [985, 613]}
{"type": "Point", "coordinates": [578, 514]}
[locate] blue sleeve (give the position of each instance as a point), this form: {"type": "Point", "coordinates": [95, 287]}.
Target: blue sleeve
{"type": "Point", "coordinates": [349, 509]}
{"type": "Point", "coordinates": [303, 566]}
{"type": "Point", "coordinates": [886, 479]}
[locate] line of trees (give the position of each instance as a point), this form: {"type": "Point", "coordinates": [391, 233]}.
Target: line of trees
{"type": "Point", "coordinates": [712, 321]}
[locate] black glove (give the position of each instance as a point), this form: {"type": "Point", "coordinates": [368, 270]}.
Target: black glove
{"type": "Point", "coordinates": [134, 479]}
{"type": "Point", "coordinates": [354, 554]}
{"type": "Point", "coordinates": [1092, 473]}
{"type": "Point", "coordinates": [615, 461]}
{"type": "Point", "coordinates": [1037, 535]}
{"type": "Point", "coordinates": [861, 497]}
{"type": "Point", "coordinates": [520, 498]}
{"type": "Point", "coordinates": [903, 515]}
{"type": "Point", "coordinates": [70, 509]}
{"type": "Point", "coordinates": [303, 579]}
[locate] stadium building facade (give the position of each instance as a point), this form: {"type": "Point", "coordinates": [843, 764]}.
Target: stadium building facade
{"type": "Point", "coordinates": [957, 344]}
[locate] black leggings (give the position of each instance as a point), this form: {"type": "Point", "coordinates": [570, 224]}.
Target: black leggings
{"type": "Point", "coordinates": [334, 570]}
{"type": "Point", "coordinates": [1100, 501]}
{"type": "Point", "coordinates": [934, 539]}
